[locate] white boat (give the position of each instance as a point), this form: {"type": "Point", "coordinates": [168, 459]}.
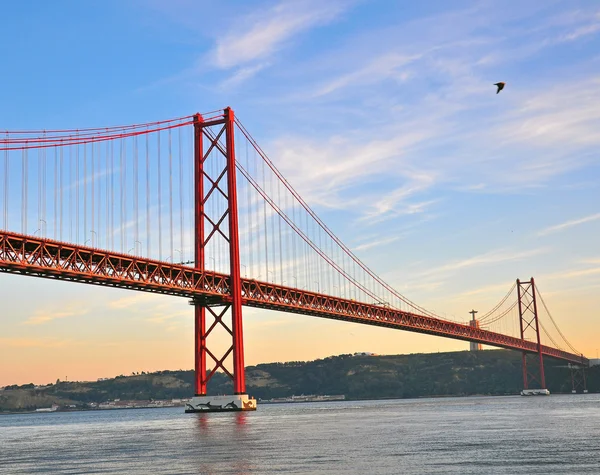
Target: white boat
{"type": "Point", "coordinates": [535, 392]}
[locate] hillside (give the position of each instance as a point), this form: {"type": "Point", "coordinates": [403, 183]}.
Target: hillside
{"type": "Point", "coordinates": [492, 372]}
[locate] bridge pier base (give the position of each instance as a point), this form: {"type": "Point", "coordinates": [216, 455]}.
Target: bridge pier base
{"type": "Point", "coordinates": [236, 402]}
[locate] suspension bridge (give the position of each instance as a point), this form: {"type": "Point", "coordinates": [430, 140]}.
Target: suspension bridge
{"type": "Point", "coordinates": [193, 207]}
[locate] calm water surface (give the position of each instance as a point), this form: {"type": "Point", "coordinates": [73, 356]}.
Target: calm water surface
{"type": "Point", "coordinates": [484, 435]}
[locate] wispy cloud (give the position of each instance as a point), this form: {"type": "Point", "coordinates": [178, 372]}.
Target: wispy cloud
{"type": "Point", "coordinates": [248, 41]}
{"type": "Point", "coordinates": [572, 274]}
{"type": "Point", "coordinates": [44, 316]}
{"type": "Point", "coordinates": [487, 259]}
{"type": "Point", "coordinates": [581, 273]}
{"type": "Point", "coordinates": [164, 316]}
{"type": "Point", "coordinates": [272, 322]}
{"type": "Point", "coordinates": [396, 204]}
{"type": "Point", "coordinates": [376, 243]}
{"type": "Point", "coordinates": [132, 301]}
{"type": "Point", "coordinates": [493, 290]}
{"type": "Point", "coordinates": [241, 75]}
{"type": "Point", "coordinates": [325, 172]}
{"type": "Point", "coordinates": [568, 224]}
{"type": "Point", "coordinates": [150, 308]}
{"type": "Point", "coordinates": [582, 31]}
{"type": "Point", "coordinates": [34, 342]}
{"type": "Point", "coordinates": [426, 286]}
{"type": "Point", "coordinates": [565, 113]}
{"type": "Point", "coordinates": [383, 67]}
{"type": "Point", "coordinates": [259, 35]}
{"type": "Point", "coordinates": [483, 151]}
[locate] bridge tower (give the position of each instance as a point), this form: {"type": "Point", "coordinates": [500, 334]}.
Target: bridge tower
{"type": "Point", "coordinates": [217, 184]}
{"type": "Point", "coordinates": [533, 373]}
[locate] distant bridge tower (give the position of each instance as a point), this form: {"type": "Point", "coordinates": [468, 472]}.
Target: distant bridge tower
{"type": "Point", "coordinates": [475, 324]}
{"type": "Point", "coordinates": [533, 374]}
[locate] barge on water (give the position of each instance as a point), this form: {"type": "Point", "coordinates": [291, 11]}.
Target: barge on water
{"type": "Point", "coordinates": [535, 392]}
{"type": "Point", "coordinates": [237, 402]}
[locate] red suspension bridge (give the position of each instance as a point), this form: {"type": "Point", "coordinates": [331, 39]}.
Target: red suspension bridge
{"type": "Point", "coordinates": [121, 207]}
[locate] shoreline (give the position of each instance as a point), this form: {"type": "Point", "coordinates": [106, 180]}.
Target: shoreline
{"type": "Point", "coordinates": [96, 409]}
{"type": "Point", "coordinates": [12, 413]}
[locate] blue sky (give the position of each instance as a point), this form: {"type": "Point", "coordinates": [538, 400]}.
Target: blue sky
{"type": "Point", "coordinates": [382, 114]}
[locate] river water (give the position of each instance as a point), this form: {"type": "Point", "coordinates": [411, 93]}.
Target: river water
{"type": "Point", "coordinates": [476, 435]}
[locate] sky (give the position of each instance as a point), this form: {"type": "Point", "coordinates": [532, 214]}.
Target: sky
{"type": "Point", "coordinates": [382, 114]}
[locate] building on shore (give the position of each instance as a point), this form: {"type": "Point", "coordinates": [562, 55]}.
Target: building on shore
{"type": "Point", "coordinates": [475, 324]}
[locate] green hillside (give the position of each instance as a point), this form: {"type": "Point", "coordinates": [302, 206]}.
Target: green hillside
{"type": "Point", "coordinates": [464, 373]}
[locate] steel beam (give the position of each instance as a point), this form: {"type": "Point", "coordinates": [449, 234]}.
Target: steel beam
{"type": "Point", "coordinates": [30, 255]}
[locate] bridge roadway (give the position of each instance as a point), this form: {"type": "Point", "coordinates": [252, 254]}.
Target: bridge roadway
{"type": "Point", "coordinates": [34, 256]}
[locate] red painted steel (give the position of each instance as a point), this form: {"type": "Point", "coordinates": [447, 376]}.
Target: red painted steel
{"type": "Point", "coordinates": [28, 255]}
{"type": "Point", "coordinates": [239, 381]}
{"type": "Point", "coordinates": [537, 331]}
{"type": "Point", "coordinates": [528, 320]}
{"type": "Point", "coordinates": [200, 380]}
{"type": "Point", "coordinates": [226, 225]}
{"type": "Point", "coordinates": [523, 354]}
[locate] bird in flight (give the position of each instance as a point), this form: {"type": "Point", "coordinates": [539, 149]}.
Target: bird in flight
{"type": "Point", "coordinates": [500, 86]}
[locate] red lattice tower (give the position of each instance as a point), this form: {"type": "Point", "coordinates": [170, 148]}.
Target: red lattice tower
{"type": "Point", "coordinates": [530, 330]}
{"type": "Point", "coordinates": [226, 310]}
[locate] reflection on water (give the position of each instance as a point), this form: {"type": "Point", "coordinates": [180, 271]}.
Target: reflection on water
{"type": "Point", "coordinates": [203, 422]}
{"type": "Point", "coordinates": [223, 439]}
{"type": "Point", "coordinates": [505, 435]}
{"type": "Point", "coordinates": [241, 418]}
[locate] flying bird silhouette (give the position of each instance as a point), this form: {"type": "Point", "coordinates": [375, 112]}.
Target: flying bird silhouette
{"type": "Point", "coordinates": [500, 86]}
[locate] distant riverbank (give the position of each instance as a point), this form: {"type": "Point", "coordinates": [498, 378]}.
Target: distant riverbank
{"type": "Point", "coordinates": [355, 377]}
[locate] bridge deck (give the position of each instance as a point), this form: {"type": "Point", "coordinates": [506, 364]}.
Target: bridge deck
{"type": "Point", "coordinates": [28, 255]}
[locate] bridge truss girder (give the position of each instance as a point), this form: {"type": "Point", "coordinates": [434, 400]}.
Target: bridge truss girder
{"type": "Point", "coordinates": [33, 256]}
